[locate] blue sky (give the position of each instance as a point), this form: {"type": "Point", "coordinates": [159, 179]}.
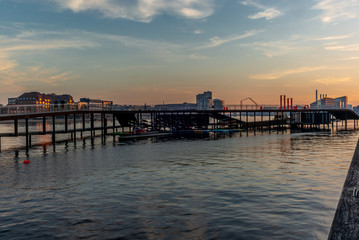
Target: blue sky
{"type": "Point", "coordinates": [154, 51]}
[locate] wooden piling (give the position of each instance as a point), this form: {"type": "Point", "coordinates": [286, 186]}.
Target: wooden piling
{"type": "Point", "coordinates": [44, 124]}
{"type": "Point", "coordinates": [16, 127]}
{"type": "Point", "coordinates": [53, 130]}
{"type": "Point", "coordinates": [346, 220]}
{"type": "Point", "coordinates": [27, 133]}
{"type": "Point", "coordinates": [92, 120]}
{"type": "Point", "coordinates": [66, 123]}
{"type": "Point", "coordinates": [74, 129]}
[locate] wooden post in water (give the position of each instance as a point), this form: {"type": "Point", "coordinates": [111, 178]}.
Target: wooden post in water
{"type": "Point", "coordinates": [345, 223]}
{"type": "Point", "coordinates": [66, 124]}
{"type": "Point", "coordinates": [102, 127]}
{"type": "Point", "coordinates": [75, 129]}
{"type": "Point", "coordinates": [16, 127]}
{"type": "Point", "coordinates": [83, 124]}
{"type": "Point", "coordinates": [43, 124]}
{"type": "Point", "coordinates": [53, 130]}
{"type": "Point", "coordinates": [92, 126]}
{"type": "Point", "coordinates": [247, 121]}
{"type": "Point", "coordinates": [262, 122]}
{"type": "Point", "coordinates": [105, 124]}
{"type": "Point", "coordinates": [27, 133]}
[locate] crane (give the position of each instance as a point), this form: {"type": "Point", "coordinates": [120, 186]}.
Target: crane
{"type": "Point", "coordinates": [248, 98]}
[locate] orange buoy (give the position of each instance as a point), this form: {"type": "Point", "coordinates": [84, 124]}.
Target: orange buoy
{"type": "Point", "coordinates": [26, 162]}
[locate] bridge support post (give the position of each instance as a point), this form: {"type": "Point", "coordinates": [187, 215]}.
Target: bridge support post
{"type": "Point", "coordinates": [83, 124]}
{"type": "Point", "coordinates": [247, 122]}
{"type": "Point", "coordinates": [74, 129]}
{"type": "Point", "coordinates": [53, 130]}
{"type": "Point", "coordinates": [66, 124]}
{"type": "Point", "coordinates": [254, 122]}
{"type": "Point", "coordinates": [105, 124]}
{"type": "Point", "coordinates": [16, 127]}
{"type": "Point", "coordinates": [44, 125]}
{"type": "Point", "coordinates": [92, 126]}
{"type": "Point", "coordinates": [27, 133]}
{"type": "Point", "coordinates": [262, 121]}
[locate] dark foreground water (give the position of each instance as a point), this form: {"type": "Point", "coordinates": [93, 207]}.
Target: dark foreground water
{"type": "Point", "coordinates": [276, 186]}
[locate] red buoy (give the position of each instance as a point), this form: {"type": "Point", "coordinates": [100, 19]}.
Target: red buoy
{"type": "Point", "coordinates": [26, 162]}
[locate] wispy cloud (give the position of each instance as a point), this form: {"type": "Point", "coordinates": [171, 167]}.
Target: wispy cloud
{"type": "Point", "coordinates": [14, 75]}
{"type": "Point", "coordinates": [197, 57]}
{"type": "Point", "coordinates": [330, 38]}
{"type": "Point", "coordinates": [198, 31]}
{"type": "Point", "coordinates": [6, 64]}
{"type": "Point", "coordinates": [329, 81]}
{"type": "Point", "coordinates": [268, 12]}
{"type": "Point", "coordinates": [217, 41]}
{"type": "Point", "coordinates": [142, 10]}
{"type": "Point", "coordinates": [336, 10]}
{"type": "Point", "coordinates": [348, 59]}
{"type": "Point", "coordinates": [349, 47]}
{"type": "Point", "coordinates": [280, 74]}
{"type": "Point", "coordinates": [43, 40]}
{"type": "Point", "coordinates": [294, 43]}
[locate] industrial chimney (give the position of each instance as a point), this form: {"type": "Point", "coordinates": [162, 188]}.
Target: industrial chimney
{"type": "Point", "coordinates": [316, 95]}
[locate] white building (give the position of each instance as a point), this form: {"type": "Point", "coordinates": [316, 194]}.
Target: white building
{"type": "Point", "coordinates": [204, 101]}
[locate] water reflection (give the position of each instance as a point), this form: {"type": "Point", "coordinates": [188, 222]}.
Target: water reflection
{"type": "Point", "coordinates": [276, 186]}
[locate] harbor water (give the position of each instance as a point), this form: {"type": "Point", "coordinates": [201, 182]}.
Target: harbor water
{"type": "Point", "coordinates": [263, 186]}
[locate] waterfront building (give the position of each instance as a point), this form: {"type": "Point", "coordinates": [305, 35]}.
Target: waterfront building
{"type": "Point", "coordinates": [331, 103]}
{"type": "Point", "coordinates": [36, 98]}
{"type": "Point", "coordinates": [204, 101]}
{"type": "Point", "coordinates": [325, 102]}
{"type": "Point", "coordinates": [218, 104]}
{"type": "Point", "coordinates": [64, 99]}
{"type": "Point", "coordinates": [11, 101]}
{"type": "Point", "coordinates": [341, 102]}
{"type": "Point", "coordinates": [95, 103]}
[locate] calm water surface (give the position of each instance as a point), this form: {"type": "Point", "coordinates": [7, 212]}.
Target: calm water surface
{"type": "Point", "coordinates": [271, 186]}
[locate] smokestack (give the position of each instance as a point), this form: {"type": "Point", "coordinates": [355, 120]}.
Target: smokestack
{"type": "Point", "coordinates": [320, 96]}
{"type": "Point", "coordinates": [291, 103]}
{"type": "Point", "coordinates": [280, 102]}
{"type": "Point", "coordinates": [316, 95]}
{"type": "Point", "coordinates": [287, 103]}
{"type": "Point", "coordinates": [283, 101]}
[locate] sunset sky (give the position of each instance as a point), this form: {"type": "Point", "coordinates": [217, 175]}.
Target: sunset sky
{"type": "Point", "coordinates": [155, 51]}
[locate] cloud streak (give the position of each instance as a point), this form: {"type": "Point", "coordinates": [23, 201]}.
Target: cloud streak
{"type": "Point", "coordinates": [280, 74]}
{"type": "Point", "coordinates": [268, 12]}
{"type": "Point", "coordinates": [217, 41]}
{"type": "Point", "coordinates": [337, 10]}
{"type": "Point", "coordinates": [329, 81]}
{"type": "Point", "coordinates": [142, 10]}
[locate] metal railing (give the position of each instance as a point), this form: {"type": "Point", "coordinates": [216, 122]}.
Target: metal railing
{"type": "Point", "coordinates": [46, 108]}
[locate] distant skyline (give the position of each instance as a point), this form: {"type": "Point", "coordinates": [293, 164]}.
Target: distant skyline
{"type": "Point", "coordinates": [155, 51]}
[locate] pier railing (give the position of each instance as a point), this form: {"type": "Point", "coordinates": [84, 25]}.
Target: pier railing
{"type": "Point", "coordinates": [47, 108]}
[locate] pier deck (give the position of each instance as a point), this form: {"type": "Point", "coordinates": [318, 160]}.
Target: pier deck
{"type": "Point", "coordinates": [171, 121]}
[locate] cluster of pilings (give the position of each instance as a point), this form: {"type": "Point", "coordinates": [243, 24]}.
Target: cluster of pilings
{"type": "Point", "coordinates": [77, 123]}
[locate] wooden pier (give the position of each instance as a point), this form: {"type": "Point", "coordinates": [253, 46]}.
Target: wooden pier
{"type": "Point", "coordinates": [77, 122]}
